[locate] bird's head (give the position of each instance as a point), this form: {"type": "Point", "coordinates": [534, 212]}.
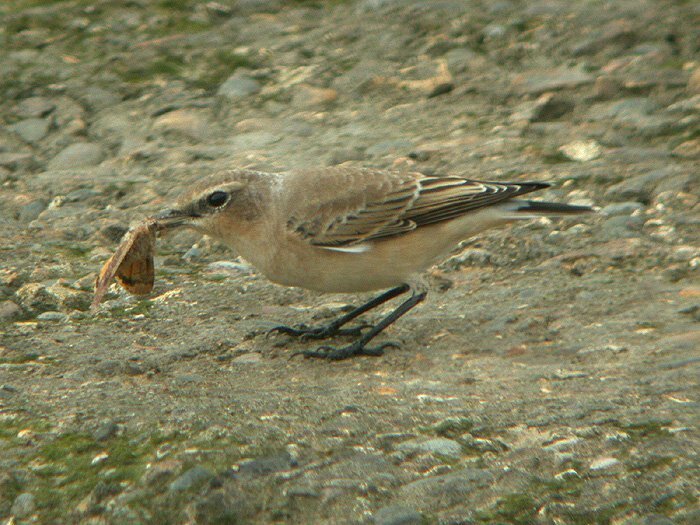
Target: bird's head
{"type": "Point", "coordinates": [218, 206]}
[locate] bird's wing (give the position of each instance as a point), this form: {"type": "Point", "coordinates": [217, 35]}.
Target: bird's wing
{"type": "Point", "coordinates": [349, 206]}
{"type": "Point", "coordinates": [444, 198]}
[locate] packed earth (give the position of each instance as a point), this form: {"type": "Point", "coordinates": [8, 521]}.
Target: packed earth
{"type": "Point", "coordinates": [551, 375]}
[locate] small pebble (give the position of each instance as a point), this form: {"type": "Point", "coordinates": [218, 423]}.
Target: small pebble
{"type": "Point", "coordinates": [31, 130]}
{"type": "Point", "coordinates": [622, 208]}
{"type": "Point", "coordinates": [52, 316]}
{"type": "Point", "coordinates": [99, 458]}
{"type": "Point", "coordinates": [442, 446]}
{"type": "Point", "coordinates": [189, 479]}
{"type": "Point", "coordinates": [604, 463]}
{"type": "Point", "coordinates": [76, 155]}
{"type": "Point", "coordinates": [9, 311]}
{"type": "Point", "coordinates": [23, 506]}
{"type": "Point", "coordinates": [239, 85]}
{"type": "Point", "coordinates": [398, 515]}
{"type": "Point", "coordinates": [581, 150]}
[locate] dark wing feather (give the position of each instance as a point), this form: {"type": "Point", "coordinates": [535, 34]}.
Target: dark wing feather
{"type": "Point", "coordinates": [441, 199]}
{"type": "Point", "coordinates": [408, 201]}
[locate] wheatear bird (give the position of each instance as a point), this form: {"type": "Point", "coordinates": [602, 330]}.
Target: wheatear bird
{"type": "Point", "coordinates": [344, 229]}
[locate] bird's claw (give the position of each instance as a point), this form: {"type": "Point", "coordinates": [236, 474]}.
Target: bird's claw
{"type": "Point", "coordinates": [306, 333]}
{"type": "Point", "coordinates": [337, 354]}
{"type": "Point", "coordinates": [288, 330]}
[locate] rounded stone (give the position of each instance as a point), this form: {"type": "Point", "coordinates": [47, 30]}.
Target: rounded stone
{"type": "Point", "coordinates": [397, 515]}
{"type": "Point", "coordinates": [80, 154]}
{"type": "Point", "coordinates": [32, 129]}
{"type": "Point", "coordinates": [31, 210]}
{"type": "Point", "coordinates": [441, 446]}
{"type": "Point", "coordinates": [9, 310]}
{"type": "Point", "coordinates": [24, 505]}
{"type": "Point", "coordinates": [52, 316]}
{"type": "Point", "coordinates": [622, 208]}
{"type": "Point", "coordinates": [34, 107]}
{"type": "Point", "coordinates": [239, 85]}
{"type": "Point", "coordinates": [189, 479]}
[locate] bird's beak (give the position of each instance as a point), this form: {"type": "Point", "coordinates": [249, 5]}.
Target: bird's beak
{"type": "Point", "coordinates": [170, 219]}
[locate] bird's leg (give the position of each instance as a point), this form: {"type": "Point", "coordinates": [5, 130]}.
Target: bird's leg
{"type": "Point", "coordinates": [360, 347]}
{"type": "Point", "coordinates": [334, 328]}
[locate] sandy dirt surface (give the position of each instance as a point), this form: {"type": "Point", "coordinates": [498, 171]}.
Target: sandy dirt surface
{"type": "Point", "coordinates": [550, 377]}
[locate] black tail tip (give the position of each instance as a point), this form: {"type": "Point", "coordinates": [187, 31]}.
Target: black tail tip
{"type": "Point", "coordinates": [554, 208]}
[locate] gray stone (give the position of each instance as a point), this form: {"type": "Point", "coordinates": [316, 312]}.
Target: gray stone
{"type": "Point", "coordinates": [266, 465]}
{"type": "Point", "coordinates": [108, 367]}
{"type": "Point", "coordinates": [161, 470]}
{"type": "Point", "coordinates": [192, 254]}
{"type": "Point", "coordinates": [607, 88]}
{"type": "Point", "coordinates": [312, 97]}
{"type": "Point", "coordinates": [481, 444]}
{"type": "Point", "coordinates": [24, 505]}
{"type": "Point", "coordinates": [360, 79]}
{"type": "Point", "coordinates": [581, 150]}
{"type": "Point", "coordinates": [563, 444]}
{"type": "Point", "coordinates": [231, 267]}
{"type": "Point", "coordinates": [446, 490]}
{"type": "Point", "coordinates": [188, 379]}
{"type": "Point", "coordinates": [68, 297]}
{"type": "Point", "coordinates": [34, 107]}
{"type": "Point", "coordinates": [617, 33]}
{"type": "Point", "coordinates": [563, 78]}
{"type": "Point", "coordinates": [686, 105]}
{"type": "Point", "coordinates": [641, 187]}
{"type": "Point", "coordinates": [247, 359]}
{"type": "Point", "coordinates": [460, 59]}
{"type": "Point", "coordinates": [80, 195]}
{"type": "Point", "coordinates": [239, 85]}
{"type": "Point", "coordinates": [340, 155]}
{"type": "Point", "coordinates": [397, 515]}
{"type": "Point", "coordinates": [390, 146]}
{"type": "Point", "coordinates": [547, 107]}
{"type": "Point", "coordinates": [77, 155]}
{"type": "Point", "coordinates": [30, 211]}
{"type": "Point", "coordinates": [105, 431]}
{"type": "Point", "coordinates": [193, 477]}
{"type": "Point", "coordinates": [35, 297]}
{"type": "Point", "coordinates": [629, 109]}
{"type": "Point", "coordinates": [231, 505]}
{"type": "Point", "coordinates": [622, 227]}
{"type": "Point", "coordinates": [259, 6]}
{"type": "Point", "coordinates": [494, 31]}
{"type": "Point", "coordinates": [254, 140]}
{"type": "Point", "coordinates": [442, 446]}
{"type": "Point", "coordinates": [52, 316]}
{"type": "Point", "coordinates": [9, 311]}
{"type": "Point", "coordinates": [622, 208]}
{"type": "Point", "coordinates": [468, 257]}
{"type": "Point", "coordinates": [97, 98]}
{"type": "Point", "coordinates": [637, 113]}
{"type": "Point", "coordinates": [604, 463]}
{"type": "Point", "coordinates": [114, 129]}
{"type": "Point", "coordinates": [658, 519]}
{"type": "Point", "coordinates": [184, 123]}
{"type": "Point", "coordinates": [32, 129]}
{"type": "Point", "coordinates": [17, 161]}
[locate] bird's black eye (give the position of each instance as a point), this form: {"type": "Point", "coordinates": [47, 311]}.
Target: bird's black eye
{"type": "Point", "coordinates": [217, 199]}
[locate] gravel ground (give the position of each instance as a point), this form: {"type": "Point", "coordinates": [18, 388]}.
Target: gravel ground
{"type": "Point", "coordinates": [551, 376]}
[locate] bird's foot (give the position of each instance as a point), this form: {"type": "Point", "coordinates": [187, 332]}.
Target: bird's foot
{"type": "Point", "coordinates": [337, 354]}
{"type": "Point", "coordinates": [307, 333]}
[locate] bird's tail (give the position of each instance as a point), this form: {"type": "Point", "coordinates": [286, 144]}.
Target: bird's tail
{"type": "Point", "coordinates": [522, 209]}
